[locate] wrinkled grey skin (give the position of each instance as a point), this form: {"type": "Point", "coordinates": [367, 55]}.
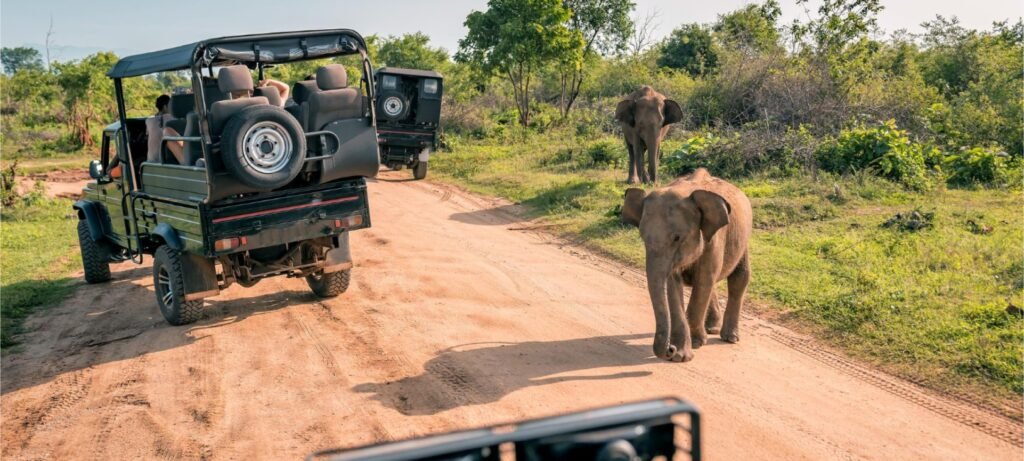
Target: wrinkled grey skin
{"type": "Point", "coordinates": [645, 116]}
{"type": "Point", "coordinates": [695, 233]}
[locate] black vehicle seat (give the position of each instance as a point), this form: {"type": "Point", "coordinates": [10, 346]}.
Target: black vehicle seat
{"type": "Point", "coordinates": [271, 93]}
{"type": "Point", "coordinates": [232, 79]}
{"type": "Point", "coordinates": [181, 105]}
{"type": "Point", "coordinates": [334, 101]}
{"type": "Point", "coordinates": [212, 92]}
{"type": "Point", "coordinates": [300, 102]}
{"type": "Point", "coordinates": [193, 150]}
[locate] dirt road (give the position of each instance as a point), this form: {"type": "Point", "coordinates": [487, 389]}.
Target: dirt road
{"type": "Point", "coordinates": [453, 320]}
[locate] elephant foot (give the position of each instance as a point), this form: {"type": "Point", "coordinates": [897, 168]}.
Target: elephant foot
{"type": "Point", "coordinates": [698, 341]}
{"type": "Point", "coordinates": [676, 355]}
{"type": "Point", "coordinates": [662, 348]}
{"type": "Point", "coordinates": [730, 336]}
{"type": "Point", "coordinates": [632, 180]}
{"type": "Point", "coordinates": [712, 330]}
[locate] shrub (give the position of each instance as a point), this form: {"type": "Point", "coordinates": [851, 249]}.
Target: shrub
{"type": "Point", "coordinates": [884, 150]}
{"type": "Point", "coordinates": [754, 149]}
{"type": "Point", "coordinates": [607, 153]}
{"type": "Point", "coordinates": [979, 166]}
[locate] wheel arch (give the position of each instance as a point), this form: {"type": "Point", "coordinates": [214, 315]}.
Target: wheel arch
{"type": "Point", "coordinates": [93, 215]}
{"type": "Point", "coordinates": [164, 234]}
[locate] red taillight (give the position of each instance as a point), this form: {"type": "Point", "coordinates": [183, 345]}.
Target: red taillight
{"type": "Point", "coordinates": [351, 221]}
{"type": "Point", "coordinates": [228, 244]}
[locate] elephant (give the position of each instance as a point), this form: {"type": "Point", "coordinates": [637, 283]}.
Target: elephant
{"type": "Point", "coordinates": [695, 232]}
{"type": "Point", "coordinates": [645, 116]}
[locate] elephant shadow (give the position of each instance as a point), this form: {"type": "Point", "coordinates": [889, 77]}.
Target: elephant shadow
{"type": "Point", "coordinates": [481, 373]}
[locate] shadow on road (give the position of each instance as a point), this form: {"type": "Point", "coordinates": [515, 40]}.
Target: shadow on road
{"type": "Point", "coordinates": [498, 216]}
{"type": "Point", "coordinates": [476, 374]}
{"type": "Point", "coordinates": [114, 321]}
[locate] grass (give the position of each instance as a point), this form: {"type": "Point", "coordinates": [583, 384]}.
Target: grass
{"type": "Point", "coordinates": [930, 305]}
{"type": "Point", "coordinates": [38, 241]}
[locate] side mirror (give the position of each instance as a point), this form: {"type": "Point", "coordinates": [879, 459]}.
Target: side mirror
{"type": "Point", "coordinates": [95, 169]}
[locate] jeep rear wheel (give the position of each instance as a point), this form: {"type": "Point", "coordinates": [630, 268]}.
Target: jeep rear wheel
{"type": "Point", "coordinates": [169, 284]}
{"type": "Point", "coordinates": [263, 147]}
{"type": "Point", "coordinates": [330, 284]}
{"type": "Point", "coordinates": [95, 262]}
{"type": "Point", "coordinates": [420, 170]}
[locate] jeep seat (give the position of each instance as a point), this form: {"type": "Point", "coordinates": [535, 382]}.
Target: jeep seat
{"type": "Point", "coordinates": [334, 101]}
{"type": "Point", "coordinates": [300, 102]}
{"type": "Point", "coordinates": [181, 105]}
{"type": "Point", "coordinates": [271, 93]}
{"type": "Point", "coordinates": [231, 79]}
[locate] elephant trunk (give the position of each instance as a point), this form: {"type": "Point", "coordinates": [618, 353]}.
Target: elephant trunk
{"type": "Point", "coordinates": [652, 137]}
{"type": "Point", "coordinates": [657, 279]}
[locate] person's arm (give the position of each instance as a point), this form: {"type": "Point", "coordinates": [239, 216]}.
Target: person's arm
{"type": "Point", "coordinates": [281, 87]}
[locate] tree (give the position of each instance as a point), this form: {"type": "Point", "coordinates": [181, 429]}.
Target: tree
{"type": "Point", "coordinates": [643, 33]}
{"type": "Point", "coordinates": [751, 28]}
{"type": "Point", "coordinates": [86, 88]}
{"type": "Point", "coordinates": [515, 39]}
{"type": "Point", "coordinates": [604, 26]}
{"type": "Point", "coordinates": [411, 51]}
{"type": "Point", "coordinates": [690, 48]}
{"type": "Point", "coordinates": [839, 24]}
{"type": "Point", "coordinates": [15, 59]}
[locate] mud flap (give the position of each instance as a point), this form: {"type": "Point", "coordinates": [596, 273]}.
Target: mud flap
{"type": "Point", "coordinates": [425, 155]}
{"type": "Point", "coordinates": [340, 258]}
{"type": "Point", "coordinates": [199, 275]}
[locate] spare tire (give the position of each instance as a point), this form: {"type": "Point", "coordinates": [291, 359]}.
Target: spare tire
{"type": "Point", "coordinates": [263, 146]}
{"type": "Point", "coordinates": [393, 105]}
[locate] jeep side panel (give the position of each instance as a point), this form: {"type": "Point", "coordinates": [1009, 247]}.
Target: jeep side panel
{"type": "Point", "coordinates": [173, 197]}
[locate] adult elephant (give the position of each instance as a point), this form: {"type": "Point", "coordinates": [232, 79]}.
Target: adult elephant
{"type": "Point", "coordinates": [695, 233]}
{"type": "Point", "coordinates": [645, 116]}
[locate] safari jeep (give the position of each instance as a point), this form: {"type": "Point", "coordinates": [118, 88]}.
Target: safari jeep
{"type": "Point", "coordinates": [409, 111]}
{"type": "Point", "coordinates": [262, 188]}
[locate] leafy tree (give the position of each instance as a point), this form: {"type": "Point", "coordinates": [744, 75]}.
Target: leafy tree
{"type": "Point", "coordinates": [15, 59]}
{"type": "Point", "coordinates": [411, 51]}
{"type": "Point", "coordinates": [86, 90]}
{"type": "Point", "coordinates": [839, 24]}
{"type": "Point", "coordinates": [690, 48]}
{"type": "Point", "coordinates": [751, 28]}
{"type": "Point", "coordinates": [515, 39]}
{"type": "Point", "coordinates": [605, 27]}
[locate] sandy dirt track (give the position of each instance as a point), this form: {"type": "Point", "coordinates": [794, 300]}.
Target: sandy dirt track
{"type": "Point", "coordinates": [457, 317]}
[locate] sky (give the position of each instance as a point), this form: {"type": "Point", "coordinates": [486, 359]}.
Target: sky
{"type": "Point", "coordinates": [127, 27]}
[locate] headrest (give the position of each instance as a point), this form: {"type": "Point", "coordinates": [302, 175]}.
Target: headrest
{"type": "Point", "coordinates": [331, 77]}
{"type": "Point", "coordinates": [271, 93]}
{"type": "Point", "coordinates": [234, 78]}
{"type": "Point", "coordinates": [182, 104]}
{"type": "Point", "coordinates": [302, 90]}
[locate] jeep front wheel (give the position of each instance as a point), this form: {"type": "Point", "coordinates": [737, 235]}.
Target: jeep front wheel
{"type": "Point", "coordinates": [95, 262]}
{"type": "Point", "coordinates": [330, 284]}
{"type": "Point", "coordinates": [169, 284]}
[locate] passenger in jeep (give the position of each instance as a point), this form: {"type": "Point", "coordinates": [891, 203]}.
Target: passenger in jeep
{"type": "Point", "coordinates": [155, 128]}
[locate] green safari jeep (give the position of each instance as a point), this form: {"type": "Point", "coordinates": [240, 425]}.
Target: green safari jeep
{"type": "Point", "coordinates": [249, 184]}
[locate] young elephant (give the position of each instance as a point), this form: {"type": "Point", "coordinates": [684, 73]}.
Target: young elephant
{"type": "Point", "coordinates": [645, 116]}
{"type": "Point", "coordinates": [695, 232]}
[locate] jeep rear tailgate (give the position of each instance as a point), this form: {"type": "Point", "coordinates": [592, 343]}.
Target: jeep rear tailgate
{"type": "Point", "coordinates": [287, 217]}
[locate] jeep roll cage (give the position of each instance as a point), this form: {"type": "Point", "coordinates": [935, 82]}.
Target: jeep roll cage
{"type": "Point", "coordinates": [255, 51]}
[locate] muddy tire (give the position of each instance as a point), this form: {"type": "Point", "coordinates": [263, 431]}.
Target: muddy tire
{"type": "Point", "coordinates": [331, 284]}
{"type": "Point", "coordinates": [263, 147]}
{"type": "Point", "coordinates": [169, 285]}
{"type": "Point", "coordinates": [95, 262]}
{"type": "Point", "coordinates": [420, 170]}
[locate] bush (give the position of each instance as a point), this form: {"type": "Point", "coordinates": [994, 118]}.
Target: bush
{"type": "Point", "coordinates": [980, 166]}
{"type": "Point", "coordinates": [885, 151]}
{"type": "Point", "coordinates": [754, 149]}
{"type": "Point", "coordinates": [607, 153]}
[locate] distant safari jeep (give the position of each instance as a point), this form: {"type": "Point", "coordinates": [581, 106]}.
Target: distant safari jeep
{"type": "Point", "coordinates": [408, 114]}
{"type": "Point", "coordinates": [259, 187]}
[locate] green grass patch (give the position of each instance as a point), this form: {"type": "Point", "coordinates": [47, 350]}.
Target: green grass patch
{"type": "Point", "coordinates": [930, 305]}
{"type": "Point", "coordinates": [38, 241]}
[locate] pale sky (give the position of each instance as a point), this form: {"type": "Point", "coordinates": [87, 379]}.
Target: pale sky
{"type": "Point", "coordinates": [82, 27]}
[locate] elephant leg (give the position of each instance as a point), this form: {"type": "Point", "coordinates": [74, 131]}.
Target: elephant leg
{"type": "Point", "coordinates": [681, 350]}
{"type": "Point", "coordinates": [700, 295]}
{"type": "Point", "coordinates": [713, 319]}
{"type": "Point", "coordinates": [633, 177]}
{"type": "Point", "coordinates": [652, 165]}
{"type": "Point", "coordinates": [641, 153]}
{"type": "Point", "coordinates": [738, 281]}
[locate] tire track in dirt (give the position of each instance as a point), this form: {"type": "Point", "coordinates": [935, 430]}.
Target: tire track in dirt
{"type": "Point", "coordinates": [968, 413]}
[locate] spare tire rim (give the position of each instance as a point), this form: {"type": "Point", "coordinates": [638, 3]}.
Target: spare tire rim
{"type": "Point", "coordinates": [267, 147]}
{"type": "Point", "coordinates": [393, 106]}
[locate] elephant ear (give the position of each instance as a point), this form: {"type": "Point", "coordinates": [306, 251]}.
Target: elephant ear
{"type": "Point", "coordinates": [633, 206]}
{"type": "Point", "coordinates": [673, 113]}
{"type": "Point", "coordinates": [714, 212]}
{"type": "Point", "coordinates": [624, 112]}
